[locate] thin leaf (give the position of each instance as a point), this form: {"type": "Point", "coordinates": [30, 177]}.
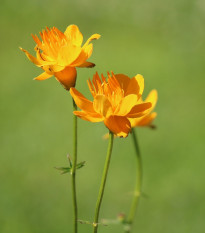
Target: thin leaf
{"type": "Point", "coordinates": [80, 165]}
{"type": "Point", "coordinates": [64, 169]}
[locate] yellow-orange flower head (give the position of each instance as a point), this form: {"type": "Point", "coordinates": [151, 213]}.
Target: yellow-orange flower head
{"type": "Point", "coordinates": [148, 118]}
{"type": "Point", "coordinates": [60, 53]}
{"type": "Point", "coordinates": [115, 101]}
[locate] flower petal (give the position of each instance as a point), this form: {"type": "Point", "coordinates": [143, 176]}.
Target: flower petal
{"type": "Point", "coordinates": [93, 37]}
{"type": "Point", "coordinates": [143, 121]}
{"type": "Point", "coordinates": [119, 125]}
{"type": "Point", "coordinates": [152, 97]}
{"type": "Point", "coordinates": [93, 117]}
{"type": "Point", "coordinates": [87, 64]}
{"type": "Point", "coordinates": [83, 103]}
{"type": "Point", "coordinates": [43, 76]}
{"type": "Point", "coordinates": [67, 54]}
{"type": "Point", "coordinates": [83, 56]}
{"type": "Point", "coordinates": [73, 33]}
{"type": "Point", "coordinates": [51, 69]}
{"type": "Point", "coordinates": [86, 51]}
{"type": "Point", "coordinates": [67, 77]}
{"type": "Point", "coordinates": [139, 110]}
{"type": "Point", "coordinates": [102, 105]}
{"type": "Point", "coordinates": [128, 102]}
{"type": "Point", "coordinates": [33, 59]}
{"type": "Point", "coordinates": [148, 119]}
{"type": "Point", "coordinates": [123, 81]}
{"type": "Point", "coordinates": [136, 86]}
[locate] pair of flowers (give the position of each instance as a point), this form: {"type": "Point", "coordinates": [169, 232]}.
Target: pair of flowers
{"type": "Point", "coordinates": [117, 100]}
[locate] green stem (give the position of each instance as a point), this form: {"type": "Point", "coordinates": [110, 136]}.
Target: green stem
{"type": "Point", "coordinates": [137, 191]}
{"type": "Point", "coordinates": [103, 181]}
{"type": "Point", "coordinates": [73, 172]}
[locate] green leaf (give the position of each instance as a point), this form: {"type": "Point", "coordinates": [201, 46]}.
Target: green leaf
{"type": "Point", "coordinates": [64, 169]}
{"type": "Point", "coordinates": [70, 160]}
{"type": "Point", "coordinates": [79, 165]}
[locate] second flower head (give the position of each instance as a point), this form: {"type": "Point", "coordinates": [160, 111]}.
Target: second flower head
{"type": "Point", "coordinates": [115, 100]}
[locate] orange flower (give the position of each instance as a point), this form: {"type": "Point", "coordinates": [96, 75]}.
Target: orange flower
{"type": "Point", "coordinates": [115, 101]}
{"type": "Point", "coordinates": [148, 118]}
{"type": "Point", "coordinates": [60, 53]}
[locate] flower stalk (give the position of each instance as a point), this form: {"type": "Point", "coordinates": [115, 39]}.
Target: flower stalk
{"type": "Point", "coordinates": [103, 182]}
{"type": "Point", "coordinates": [73, 171]}
{"type": "Point", "coordinates": [137, 191]}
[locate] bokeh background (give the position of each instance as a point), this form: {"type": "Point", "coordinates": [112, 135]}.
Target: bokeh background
{"type": "Point", "coordinates": [164, 41]}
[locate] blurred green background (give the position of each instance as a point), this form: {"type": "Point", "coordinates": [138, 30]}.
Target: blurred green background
{"type": "Point", "coordinates": [164, 41]}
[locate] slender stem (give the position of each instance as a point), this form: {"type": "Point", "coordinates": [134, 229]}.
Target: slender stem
{"type": "Point", "coordinates": [73, 172]}
{"type": "Point", "coordinates": [137, 191]}
{"type": "Point", "coordinates": [103, 181]}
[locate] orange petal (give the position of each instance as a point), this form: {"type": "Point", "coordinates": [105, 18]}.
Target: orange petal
{"type": "Point", "coordinates": [148, 119]}
{"type": "Point", "coordinates": [67, 77]}
{"type": "Point", "coordinates": [43, 76]}
{"type": "Point", "coordinates": [68, 54]}
{"type": "Point", "coordinates": [86, 51]}
{"type": "Point", "coordinates": [33, 59]}
{"type": "Point", "coordinates": [135, 86]}
{"type": "Point", "coordinates": [123, 81]}
{"type": "Point", "coordinates": [93, 37]}
{"type": "Point", "coordinates": [143, 121]}
{"type": "Point", "coordinates": [83, 56]}
{"type": "Point", "coordinates": [83, 103]}
{"type": "Point", "coordinates": [102, 105]}
{"type": "Point", "coordinates": [139, 110]}
{"type": "Point", "coordinates": [152, 97]}
{"type": "Point", "coordinates": [128, 102]}
{"type": "Point", "coordinates": [119, 125]}
{"type": "Point", "coordinates": [87, 64]}
{"type": "Point", "coordinates": [53, 68]}
{"type": "Point", "coordinates": [36, 39]}
{"type": "Point", "coordinates": [95, 117]}
{"type": "Point", "coordinates": [73, 33]}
